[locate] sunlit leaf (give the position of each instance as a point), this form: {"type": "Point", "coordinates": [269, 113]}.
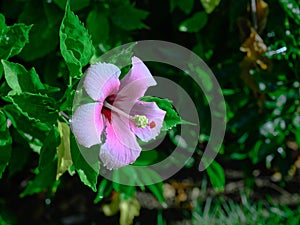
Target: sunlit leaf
{"type": "Point", "coordinates": [63, 150]}
{"type": "Point", "coordinates": [210, 5]}
{"type": "Point", "coordinates": [113, 207]}
{"type": "Point", "coordinates": [128, 210]}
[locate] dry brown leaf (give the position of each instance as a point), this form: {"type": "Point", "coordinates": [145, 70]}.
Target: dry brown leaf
{"type": "Point", "coordinates": [262, 14]}
{"type": "Point", "coordinates": [254, 47]}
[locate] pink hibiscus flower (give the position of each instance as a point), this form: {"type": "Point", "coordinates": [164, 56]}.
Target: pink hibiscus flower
{"type": "Point", "coordinates": [117, 113]}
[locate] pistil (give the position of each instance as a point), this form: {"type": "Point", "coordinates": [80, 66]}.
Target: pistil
{"type": "Point", "coordinates": [139, 121]}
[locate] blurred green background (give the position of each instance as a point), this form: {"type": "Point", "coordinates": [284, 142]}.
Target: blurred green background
{"type": "Point", "coordinates": [252, 46]}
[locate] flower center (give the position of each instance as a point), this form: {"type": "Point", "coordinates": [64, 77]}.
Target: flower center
{"type": "Point", "coordinates": [140, 121]}
{"type": "Point", "coordinates": [106, 111]}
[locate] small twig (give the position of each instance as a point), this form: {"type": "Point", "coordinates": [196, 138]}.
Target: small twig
{"type": "Point", "coordinates": [254, 14]}
{"type": "Point", "coordinates": [65, 116]}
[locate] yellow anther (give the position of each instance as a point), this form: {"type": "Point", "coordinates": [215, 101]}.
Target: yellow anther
{"type": "Point", "coordinates": [140, 121]}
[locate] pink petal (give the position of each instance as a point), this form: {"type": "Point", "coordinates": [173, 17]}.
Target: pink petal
{"type": "Point", "coordinates": [102, 80]}
{"type": "Point", "coordinates": [121, 147]}
{"type": "Point", "coordinates": [139, 71]}
{"type": "Point", "coordinates": [155, 117]}
{"type": "Point", "coordinates": [134, 85]}
{"type": "Point", "coordinates": [87, 124]}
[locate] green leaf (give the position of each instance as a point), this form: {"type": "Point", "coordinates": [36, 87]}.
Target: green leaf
{"type": "Point", "coordinates": [43, 181]}
{"type": "Point", "coordinates": [104, 189]}
{"type": "Point", "coordinates": [75, 43]}
{"type": "Point", "coordinates": [5, 138]}
{"type": "Point", "coordinates": [12, 38]}
{"type": "Point", "coordinates": [291, 7]}
{"type": "Point", "coordinates": [74, 4]}
{"type": "Point", "coordinates": [4, 220]}
{"type": "Point", "coordinates": [148, 158]}
{"type": "Point", "coordinates": [53, 15]}
{"type": "Point", "coordinates": [36, 106]}
{"type": "Point", "coordinates": [98, 26]}
{"type": "Point", "coordinates": [31, 130]}
{"type": "Point", "coordinates": [2, 21]}
{"type": "Point", "coordinates": [5, 153]}
{"type": "Point", "coordinates": [21, 80]}
{"type": "Point", "coordinates": [20, 153]}
{"type": "Point", "coordinates": [194, 23]}
{"type": "Point", "coordinates": [48, 151]}
{"type": "Point", "coordinates": [63, 150]}
{"type": "Point", "coordinates": [171, 118]}
{"type": "Point", "coordinates": [3, 122]}
{"type": "Point", "coordinates": [66, 101]}
{"type": "Point", "coordinates": [5, 143]}
{"type": "Point", "coordinates": [216, 176]}
{"type": "Point", "coordinates": [87, 174]}
{"type": "Point", "coordinates": [210, 5]}
{"type": "Point", "coordinates": [126, 191]}
{"type": "Point", "coordinates": [131, 20]}
{"type": "Point", "coordinates": [43, 37]}
{"type": "Point", "coordinates": [185, 5]}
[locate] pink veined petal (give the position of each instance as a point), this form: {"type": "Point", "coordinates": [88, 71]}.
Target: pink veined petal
{"type": "Point", "coordinates": [120, 147]}
{"type": "Point", "coordinates": [87, 124]}
{"type": "Point", "coordinates": [134, 85]}
{"type": "Point", "coordinates": [102, 80]}
{"type": "Point", "coordinates": [155, 117]}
